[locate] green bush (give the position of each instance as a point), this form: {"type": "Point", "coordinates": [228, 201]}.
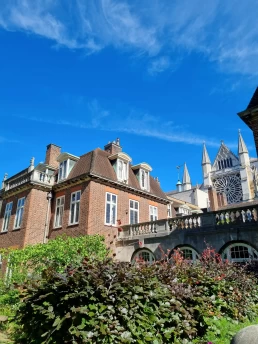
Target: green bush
{"type": "Point", "coordinates": [29, 262]}
{"type": "Point", "coordinates": [109, 302]}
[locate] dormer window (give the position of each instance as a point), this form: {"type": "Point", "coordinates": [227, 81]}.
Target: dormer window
{"type": "Point", "coordinates": [142, 172]}
{"type": "Point", "coordinates": [66, 163]}
{"type": "Point", "coordinates": [120, 162]}
{"type": "Point", "coordinates": [144, 180]}
{"type": "Point", "coordinates": [122, 171]}
{"type": "Point", "coordinates": [62, 173]}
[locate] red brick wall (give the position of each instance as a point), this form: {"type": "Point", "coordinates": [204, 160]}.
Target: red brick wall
{"type": "Point", "coordinates": [92, 211]}
{"type": "Point", "coordinates": [37, 204]}
{"type": "Point", "coordinates": [14, 238]}
{"type": "Point", "coordinates": [76, 229]}
{"type": "Point", "coordinates": [96, 223]}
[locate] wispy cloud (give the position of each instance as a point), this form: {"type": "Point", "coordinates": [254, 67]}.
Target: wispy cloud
{"type": "Point", "coordinates": [7, 140]}
{"type": "Point", "coordinates": [133, 122]}
{"type": "Point", "coordinates": [160, 30]}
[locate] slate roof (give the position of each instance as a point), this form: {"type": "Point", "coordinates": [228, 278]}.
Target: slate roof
{"type": "Point", "coordinates": [254, 100]}
{"type": "Point", "coordinates": [97, 163]}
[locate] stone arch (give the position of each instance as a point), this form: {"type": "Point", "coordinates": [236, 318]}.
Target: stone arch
{"type": "Point", "coordinates": [143, 254]}
{"type": "Point", "coordinates": [238, 251]}
{"type": "Point", "coordinates": [189, 252]}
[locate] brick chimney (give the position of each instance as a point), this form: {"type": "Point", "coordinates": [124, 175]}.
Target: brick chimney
{"type": "Point", "coordinates": [53, 151]}
{"type": "Point", "coordinates": [213, 198]}
{"type": "Point", "coordinates": [113, 147]}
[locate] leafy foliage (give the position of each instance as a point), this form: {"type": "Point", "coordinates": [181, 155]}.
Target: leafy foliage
{"type": "Point", "coordinates": [108, 302]}
{"type": "Point", "coordinates": [28, 263]}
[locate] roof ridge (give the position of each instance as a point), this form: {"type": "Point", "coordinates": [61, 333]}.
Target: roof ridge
{"type": "Point", "coordinates": [254, 100]}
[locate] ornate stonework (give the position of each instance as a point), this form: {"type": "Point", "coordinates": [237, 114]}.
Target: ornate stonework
{"type": "Point", "coordinates": [230, 185]}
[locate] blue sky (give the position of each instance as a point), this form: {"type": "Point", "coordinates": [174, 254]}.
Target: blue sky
{"type": "Point", "coordinates": [161, 75]}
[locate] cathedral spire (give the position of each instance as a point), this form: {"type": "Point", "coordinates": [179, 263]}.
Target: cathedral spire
{"type": "Point", "coordinates": [242, 151]}
{"type": "Point", "coordinates": [205, 156]}
{"type": "Point", "coordinates": [186, 179]}
{"type": "Point", "coordinates": [206, 167]}
{"type": "Point", "coordinates": [241, 144]}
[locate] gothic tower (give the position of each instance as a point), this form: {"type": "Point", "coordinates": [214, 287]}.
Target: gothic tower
{"type": "Point", "coordinates": [206, 167]}
{"type": "Point", "coordinates": [187, 185]}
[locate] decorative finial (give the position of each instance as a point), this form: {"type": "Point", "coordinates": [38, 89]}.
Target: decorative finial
{"type": "Point", "coordinates": [222, 142]}
{"type": "Point", "coordinates": [32, 160]}
{"type": "Point", "coordinates": [5, 176]}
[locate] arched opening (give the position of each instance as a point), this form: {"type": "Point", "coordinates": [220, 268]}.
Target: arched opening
{"type": "Point", "coordinates": [188, 252]}
{"type": "Point", "coordinates": [239, 252]}
{"type": "Point", "coordinates": [143, 255]}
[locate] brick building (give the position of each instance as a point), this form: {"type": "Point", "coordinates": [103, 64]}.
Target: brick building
{"type": "Point", "coordinates": [95, 193]}
{"type": "Point", "coordinates": [250, 116]}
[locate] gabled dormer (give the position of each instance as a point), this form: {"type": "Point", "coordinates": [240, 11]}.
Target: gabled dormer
{"type": "Point", "coordinates": [66, 163]}
{"type": "Point", "coordinates": [120, 162]}
{"type": "Point", "coordinates": [142, 172]}
{"type": "Point", "coordinates": [225, 159]}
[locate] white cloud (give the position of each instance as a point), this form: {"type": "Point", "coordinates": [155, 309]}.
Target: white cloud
{"type": "Point", "coordinates": [159, 65]}
{"type": "Point", "coordinates": [162, 30]}
{"type": "Point", "coordinates": [132, 122]}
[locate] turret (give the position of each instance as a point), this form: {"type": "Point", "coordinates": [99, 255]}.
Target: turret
{"type": "Point", "coordinates": [179, 186]}
{"type": "Point", "coordinates": [186, 179]}
{"type": "Point", "coordinates": [206, 167]}
{"type": "Point", "coordinates": [242, 151]}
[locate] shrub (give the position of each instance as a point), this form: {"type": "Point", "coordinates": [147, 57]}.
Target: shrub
{"type": "Point", "coordinates": [109, 302]}
{"type": "Point", "coordinates": [29, 262]}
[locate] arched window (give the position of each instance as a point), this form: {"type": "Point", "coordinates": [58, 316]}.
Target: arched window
{"type": "Point", "coordinates": [188, 253]}
{"type": "Point", "coordinates": [143, 255]}
{"type": "Point", "coordinates": [239, 252]}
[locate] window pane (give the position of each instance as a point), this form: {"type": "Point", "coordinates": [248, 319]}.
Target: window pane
{"type": "Point", "coordinates": [114, 198]}
{"type": "Point", "coordinates": [108, 197]}
{"type": "Point", "coordinates": [113, 214]}
{"type": "Point", "coordinates": [108, 213]}
{"type": "Point", "coordinates": [77, 212]}
{"type": "Point", "coordinates": [78, 195]}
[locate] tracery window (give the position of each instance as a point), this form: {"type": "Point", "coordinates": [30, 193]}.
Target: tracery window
{"type": "Point", "coordinates": [230, 185]}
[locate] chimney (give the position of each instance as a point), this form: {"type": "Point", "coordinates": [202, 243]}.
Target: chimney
{"type": "Point", "coordinates": [53, 151]}
{"type": "Point", "coordinates": [213, 198]}
{"type": "Point", "coordinates": [113, 147]}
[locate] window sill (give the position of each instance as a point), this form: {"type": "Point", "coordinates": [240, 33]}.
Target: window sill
{"type": "Point", "coordinates": [58, 227]}
{"type": "Point", "coordinates": [16, 229]}
{"type": "Point", "coordinates": [73, 224]}
{"type": "Point", "coordinates": [3, 232]}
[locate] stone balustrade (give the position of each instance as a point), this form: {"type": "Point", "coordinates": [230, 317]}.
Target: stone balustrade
{"type": "Point", "coordinates": [33, 176]}
{"type": "Point", "coordinates": [242, 216]}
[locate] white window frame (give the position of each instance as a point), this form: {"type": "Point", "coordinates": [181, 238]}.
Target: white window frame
{"type": "Point", "coordinates": [134, 210]}
{"type": "Point", "coordinates": [194, 253]}
{"type": "Point", "coordinates": [251, 251]}
{"type": "Point", "coordinates": [7, 216]}
{"type": "Point", "coordinates": [144, 256]}
{"type": "Point", "coordinates": [112, 212]}
{"type": "Point", "coordinates": [59, 212]}
{"type": "Point", "coordinates": [122, 170]}
{"type": "Point", "coordinates": [76, 208]}
{"type": "Point", "coordinates": [145, 182]}
{"type": "Point", "coordinates": [19, 213]}
{"type": "Point", "coordinates": [63, 170]}
{"type": "Point", "coordinates": [153, 210]}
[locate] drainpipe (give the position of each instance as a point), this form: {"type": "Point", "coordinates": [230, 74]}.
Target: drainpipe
{"type": "Point", "coordinates": [46, 229]}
